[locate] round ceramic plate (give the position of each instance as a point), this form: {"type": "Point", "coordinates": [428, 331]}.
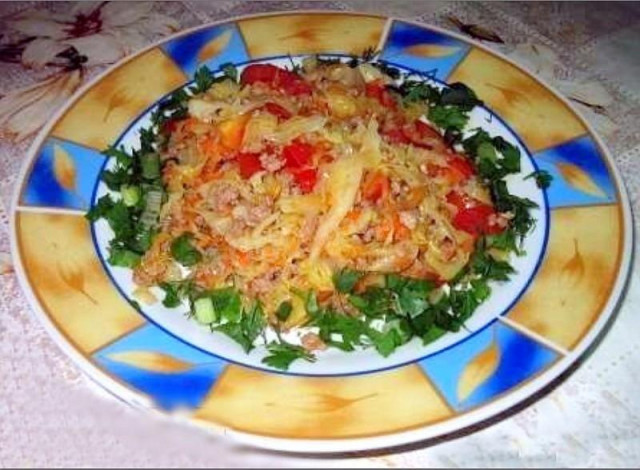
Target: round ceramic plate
{"type": "Point", "coordinates": [531, 330]}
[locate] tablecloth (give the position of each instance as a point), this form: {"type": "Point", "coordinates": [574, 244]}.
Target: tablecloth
{"type": "Point", "coordinates": [51, 415]}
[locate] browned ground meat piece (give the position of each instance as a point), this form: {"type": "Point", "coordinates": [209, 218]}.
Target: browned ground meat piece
{"type": "Point", "coordinates": [409, 218]}
{"type": "Point", "coordinates": [222, 196]}
{"type": "Point", "coordinates": [312, 342]}
{"type": "Point", "coordinates": [309, 227]}
{"type": "Point", "coordinates": [209, 274]}
{"type": "Point", "coordinates": [264, 283]}
{"type": "Point", "coordinates": [257, 214]}
{"type": "Point", "coordinates": [153, 265]}
{"type": "Point", "coordinates": [271, 163]}
{"type": "Point", "coordinates": [392, 258]}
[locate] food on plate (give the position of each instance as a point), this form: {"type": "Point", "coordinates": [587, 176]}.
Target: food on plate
{"type": "Point", "coordinates": [332, 204]}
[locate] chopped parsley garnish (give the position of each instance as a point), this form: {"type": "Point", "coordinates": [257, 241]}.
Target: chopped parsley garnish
{"type": "Point", "coordinates": [183, 250]}
{"type": "Point", "coordinates": [413, 91]}
{"type": "Point", "coordinates": [246, 328]}
{"type": "Point", "coordinates": [174, 292]}
{"type": "Point", "coordinates": [282, 354]}
{"type": "Point", "coordinates": [123, 258]}
{"type": "Point", "coordinates": [227, 303]}
{"type": "Point", "coordinates": [522, 222]}
{"type": "Point", "coordinates": [448, 117]}
{"type": "Point", "coordinates": [411, 297]}
{"type": "Point", "coordinates": [331, 323]}
{"type": "Point", "coordinates": [230, 71]}
{"type": "Point", "coordinates": [203, 80]}
{"type": "Point", "coordinates": [459, 94]}
{"type": "Point", "coordinates": [542, 177]}
{"type": "Point", "coordinates": [408, 309]}
{"type": "Point", "coordinates": [175, 107]}
{"type": "Point", "coordinates": [386, 342]}
{"type": "Point", "coordinates": [369, 54]}
{"type": "Point", "coordinates": [284, 311]}
{"type": "Point", "coordinates": [495, 157]}
{"type": "Point", "coordinates": [346, 279]}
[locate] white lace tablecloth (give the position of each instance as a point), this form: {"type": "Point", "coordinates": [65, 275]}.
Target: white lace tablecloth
{"type": "Point", "coordinates": [50, 415]}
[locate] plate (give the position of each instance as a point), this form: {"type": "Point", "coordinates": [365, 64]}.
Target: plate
{"type": "Point", "coordinates": [530, 331]}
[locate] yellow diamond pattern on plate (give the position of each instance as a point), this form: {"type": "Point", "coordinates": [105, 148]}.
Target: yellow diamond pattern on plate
{"type": "Point", "coordinates": [541, 119]}
{"type": "Point", "coordinates": [576, 276]}
{"type": "Point", "coordinates": [104, 111]}
{"type": "Point", "coordinates": [311, 33]}
{"type": "Point", "coordinates": [68, 280]}
{"type": "Point", "coordinates": [306, 407]}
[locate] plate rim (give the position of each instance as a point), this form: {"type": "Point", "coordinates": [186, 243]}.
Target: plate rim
{"type": "Point", "coordinates": [460, 424]}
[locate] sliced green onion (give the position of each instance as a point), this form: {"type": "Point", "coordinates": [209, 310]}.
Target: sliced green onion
{"type": "Point", "coordinates": [204, 311]}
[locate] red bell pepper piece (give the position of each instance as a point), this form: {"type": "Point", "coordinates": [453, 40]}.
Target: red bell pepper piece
{"type": "Point", "coordinates": [278, 111]}
{"type": "Point", "coordinates": [473, 216]}
{"type": "Point", "coordinates": [297, 155]}
{"type": "Point", "coordinates": [254, 73]}
{"type": "Point", "coordinates": [377, 90]}
{"type": "Point", "coordinates": [423, 135]}
{"type": "Point", "coordinates": [169, 126]}
{"type": "Point", "coordinates": [376, 186]}
{"type": "Point", "coordinates": [395, 136]}
{"type": "Point", "coordinates": [473, 220]}
{"type": "Point", "coordinates": [293, 84]}
{"type": "Point", "coordinates": [290, 82]}
{"type": "Point", "coordinates": [249, 164]}
{"type": "Point", "coordinates": [305, 179]}
{"type": "Point", "coordinates": [462, 165]}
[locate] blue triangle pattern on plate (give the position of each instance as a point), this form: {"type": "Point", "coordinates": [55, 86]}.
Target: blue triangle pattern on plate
{"type": "Point", "coordinates": [488, 363]}
{"type": "Point", "coordinates": [63, 176]}
{"type": "Point", "coordinates": [580, 176]}
{"type": "Point", "coordinates": [423, 49]}
{"type": "Point", "coordinates": [170, 371]}
{"type": "Point", "coordinates": [212, 47]}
